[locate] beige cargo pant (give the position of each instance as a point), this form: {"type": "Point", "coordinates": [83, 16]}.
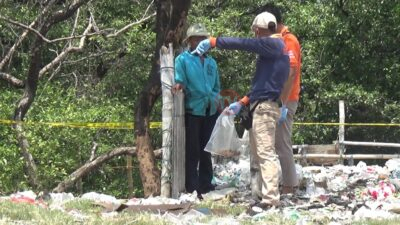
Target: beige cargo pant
{"type": "Point", "coordinates": [283, 146]}
{"type": "Point", "coordinates": [263, 157]}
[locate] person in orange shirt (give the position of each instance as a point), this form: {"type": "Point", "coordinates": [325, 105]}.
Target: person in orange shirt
{"type": "Point", "coordinates": [283, 135]}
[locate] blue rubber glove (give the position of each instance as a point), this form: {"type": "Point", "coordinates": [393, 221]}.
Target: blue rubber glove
{"type": "Point", "coordinates": [284, 111]}
{"type": "Point", "coordinates": [202, 47]}
{"type": "Point", "coordinates": [235, 107]}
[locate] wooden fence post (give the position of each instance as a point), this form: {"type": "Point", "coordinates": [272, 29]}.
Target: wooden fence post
{"type": "Point", "coordinates": [167, 80]}
{"type": "Point", "coordinates": [342, 149]}
{"type": "Point", "coordinates": [173, 127]}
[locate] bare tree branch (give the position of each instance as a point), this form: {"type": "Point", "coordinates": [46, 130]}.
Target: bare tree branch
{"type": "Point", "coordinates": [29, 28]}
{"type": "Point", "coordinates": [43, 37]}
{"type": "Point", "coordinates": [62, 15]}
{"type": "Point", "coordinates": [55, 71]}
{"type": "Point", "coordinates": [148, 8]}
{"type": "Point", "coordinates": [78, 36]}
{"type": "Point", "coordinates": [93, 151]}
{"type": "Point", "coordinates": [95, 27]}
{"type": "Point", "coordinates": [75, 25]}
{"type": "Point", "coordinates": [12, 80]}
{"type": "Point", "coordinates": [24, 34]}
{"type": "Point", "coordinates": [94, 164]}
{"type": "Point", "coordinates": [14, 47]}
{"type": "Point", "coordinates": [65, 53]}
{"type": "Point", "coordinates": [130, 25]}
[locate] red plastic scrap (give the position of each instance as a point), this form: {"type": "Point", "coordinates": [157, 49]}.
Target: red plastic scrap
{"type": "Point", "coordinates": [25, 199]}
{"type": "Point", "coordinates": [383, 190]}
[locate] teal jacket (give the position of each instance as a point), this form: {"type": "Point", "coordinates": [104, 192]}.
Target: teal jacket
{"type": "Point", "coordinates": [201, 82]}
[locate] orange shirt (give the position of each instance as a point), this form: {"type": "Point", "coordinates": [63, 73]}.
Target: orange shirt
{"type": "Point", "coordinates": [293, 48]}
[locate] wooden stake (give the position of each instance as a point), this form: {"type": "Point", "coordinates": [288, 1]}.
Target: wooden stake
{"type": "Point", "coordinates": [129, 175]}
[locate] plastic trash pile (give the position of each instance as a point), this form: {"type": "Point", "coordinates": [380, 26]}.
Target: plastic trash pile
{"type": "Point", "coordinates": [338, 194]}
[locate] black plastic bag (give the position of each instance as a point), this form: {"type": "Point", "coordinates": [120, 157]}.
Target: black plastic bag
{"type": "Point", "coordinates": [246, 117]}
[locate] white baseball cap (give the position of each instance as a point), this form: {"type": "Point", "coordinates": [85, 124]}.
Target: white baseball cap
{"type": "Point", "coordinates": [262, 20]}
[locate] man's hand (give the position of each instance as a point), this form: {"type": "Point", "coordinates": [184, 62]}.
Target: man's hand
{"type": "Point", "coordinates": [284, 111]}
{"type": "Point", "coordinates": [176, 88]}
{"type": "Point", "coordinates": [202, 47]}
{"type": "Point", "coordinates": [235, 107]}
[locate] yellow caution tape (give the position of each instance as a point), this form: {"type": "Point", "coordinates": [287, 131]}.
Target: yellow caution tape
{"type": "Point", "coordinates": [109, 125]}
{"type": "Point", "coordinates": [154, 125]}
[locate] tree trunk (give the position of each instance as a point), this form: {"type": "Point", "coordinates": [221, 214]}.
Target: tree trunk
{"type": "Point", "coordinates": [23, 107]}
{"type": "Point", "coordinates": [31, 82]}
{"type": "Point", "coordinates": [171, 20]}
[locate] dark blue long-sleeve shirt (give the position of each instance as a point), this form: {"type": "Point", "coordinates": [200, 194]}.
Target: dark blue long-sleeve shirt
{"type": "Point", "coordinates": [272, 67]}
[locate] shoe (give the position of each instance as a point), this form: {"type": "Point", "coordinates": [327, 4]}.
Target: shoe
{"type": "Point", "coordinates": [207, 189]}
{"type": "Point", "coordinates": [288, 190]}
{"type": "Point", "coordinates": [286, 196]}
{"type": "Point", "coordinates": [258, 208]}
{"type": "Point", "coordinates": [200, 197]}
{"type": "Point", "coordinates": [263, 206]}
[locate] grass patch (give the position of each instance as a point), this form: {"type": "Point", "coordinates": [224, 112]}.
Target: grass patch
{"type": "Point", "coordinates": [271, 219]}
{"type": "Point", "coordinates": [225, 208]}
{"type": "Point", "coordinates": [10, 211]}
{"type": "Point", "coordinates": [83, 205]}
{"type": "Point", "coordinates": [127, 218]}
{"type": "Point", "coordinates": [89, 214]}
{"type": "Point", "coordinates": [378, 222]}
{"type": "Point", "coordinates": [81, 211]}
{"type": "Point", "coordinates": [221, 208]}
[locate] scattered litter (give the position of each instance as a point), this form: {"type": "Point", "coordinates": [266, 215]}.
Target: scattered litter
{"type": "Point", "coordinates": [27, 197]}
{"type": "Point", "coordinates": [61, 197]}
{"type": "Point", "coordinates": [219, 194]}
{"type": "Point", "coordinates": [339, 194]}
{"type": "Point", "coordinates": [110, 203]}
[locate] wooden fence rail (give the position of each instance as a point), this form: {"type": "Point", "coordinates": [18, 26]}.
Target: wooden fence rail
{"type": "Point", "coordinates": [336, 152]}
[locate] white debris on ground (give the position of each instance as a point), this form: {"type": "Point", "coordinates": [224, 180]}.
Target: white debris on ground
{"type": "Point", "coordinates": [339, 194]}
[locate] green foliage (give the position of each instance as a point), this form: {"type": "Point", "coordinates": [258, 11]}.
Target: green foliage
{"type": "Point", "coordinates": [349, 52]}
{"type": "Point", "coordinates": [99, 85]}
{"type": "Point", "coordinates": [347, 57]}
{"type": "Point", "coordinates": [11, 162]}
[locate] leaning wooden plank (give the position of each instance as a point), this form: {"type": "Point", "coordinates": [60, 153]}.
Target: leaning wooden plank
{"type": "Point", "coordinates": [372, 144]}
{"type": "Point", "coordinates": [178, 142]}
{"type": "Point", "coordinates": [349, 156]}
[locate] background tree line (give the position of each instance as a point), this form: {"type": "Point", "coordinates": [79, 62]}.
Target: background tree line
{"type": "Point", "coordinates": [105, 70]}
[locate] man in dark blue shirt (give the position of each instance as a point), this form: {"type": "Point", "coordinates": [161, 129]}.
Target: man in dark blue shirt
{"type": "Point", "coordinates": [272, 70]}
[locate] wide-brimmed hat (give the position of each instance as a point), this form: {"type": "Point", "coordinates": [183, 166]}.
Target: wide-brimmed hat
{"type": "Point", "coordinates": [197, 29]}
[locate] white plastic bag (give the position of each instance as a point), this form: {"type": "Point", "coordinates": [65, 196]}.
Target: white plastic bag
{"type": "Point", "coordinates": [224, 139]}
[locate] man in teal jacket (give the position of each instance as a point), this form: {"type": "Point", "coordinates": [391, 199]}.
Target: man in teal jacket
{"type": "Point", "coordinates": [197, 75]}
